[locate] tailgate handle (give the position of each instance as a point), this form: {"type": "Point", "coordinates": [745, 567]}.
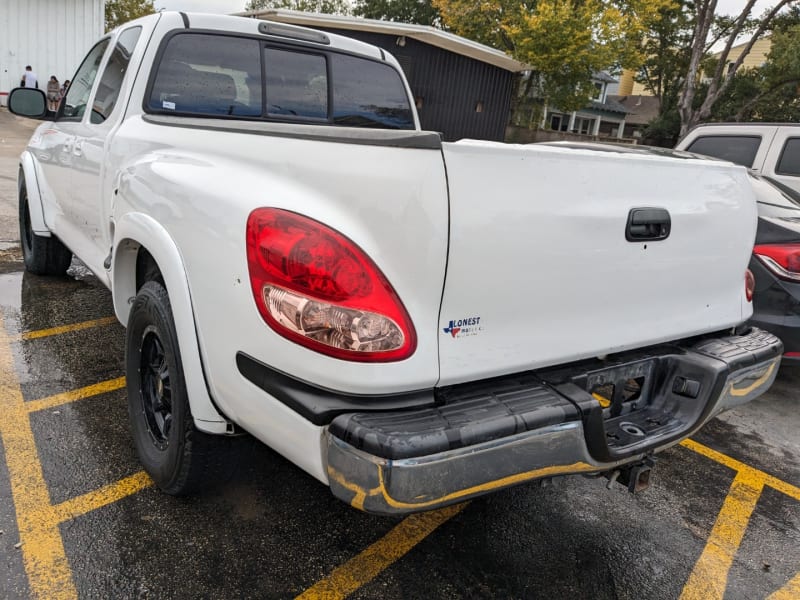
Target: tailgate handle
{"type": "Point", "coordinates": [647, 224]}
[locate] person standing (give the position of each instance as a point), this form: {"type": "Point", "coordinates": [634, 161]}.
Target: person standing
{"type": "Point", "coordinates": [29, 78]}
{"type": "Point", "coordinates": [63, 91]}
{"type": "Point", "coordinates": [53, 93]}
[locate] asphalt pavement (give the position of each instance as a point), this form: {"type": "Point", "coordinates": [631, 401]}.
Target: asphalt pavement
{"type": "Point", "coordinates": [721, 518]}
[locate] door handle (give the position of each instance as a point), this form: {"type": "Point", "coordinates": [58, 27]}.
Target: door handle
{"type": "Point", "coordinates": [648, 225]}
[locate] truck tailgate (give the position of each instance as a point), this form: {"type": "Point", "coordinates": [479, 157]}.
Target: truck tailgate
{"type": "Point", "coordinates": [539, 268]}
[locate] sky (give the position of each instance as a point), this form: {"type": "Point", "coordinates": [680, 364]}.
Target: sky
{"type": "Point", "coordinates": [231, 6]}
{"type": "Point", "coordinates": [210, 6]}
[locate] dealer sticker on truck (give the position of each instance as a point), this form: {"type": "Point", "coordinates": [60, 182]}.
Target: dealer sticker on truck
{"type": "Point", "coordinates": [459, 328]}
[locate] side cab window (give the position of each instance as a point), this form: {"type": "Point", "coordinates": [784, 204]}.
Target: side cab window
{"type": "Point", "coordinates": [789, 161]}
{"type": "Point", "coordinates": [80, 88]}
{"type": "Point", "coordinates": [110, 86]}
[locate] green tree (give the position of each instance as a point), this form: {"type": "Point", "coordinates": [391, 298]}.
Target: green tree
{"type": "Point", "coordinates": [666, 54]}
{"type": "Point", "coordinates": [118, 12]}
{"type": "Point", "coordinates": [770, 93]}
{"type": "Point", "coordinates": [715, 82]}
{"type": "Point", "coordinates": [750, 94]}
{"type": "Point", "coordinates": [335, 7]}
{"type": "Point", "coordinates": [564, 41]}
{"type": "Point", "coordinates": [420, 12]}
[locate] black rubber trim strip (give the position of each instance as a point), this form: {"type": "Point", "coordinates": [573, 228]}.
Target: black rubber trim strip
{"type": "Point", "coordinates": [185, 18]}
{"type": "Point", "coordinates": [319, 405]}
{"type": "Point", "coordinates": [471, 415]}
{"type": "Point", "coordinates": [383, 54]}
{"type": "Point", "coordinates": [421, 140]}
{"type": "Point", "coordinates": [477, 412]}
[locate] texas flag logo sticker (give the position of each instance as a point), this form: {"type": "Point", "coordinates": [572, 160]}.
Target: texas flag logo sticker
{"type": "Point", "coordinates": [458, 328]}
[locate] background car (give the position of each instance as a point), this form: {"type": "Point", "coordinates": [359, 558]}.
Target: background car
{"type": "Point", "coordinates": [776, 264]}
{"type": "Point", "coordinates": [769, 149]}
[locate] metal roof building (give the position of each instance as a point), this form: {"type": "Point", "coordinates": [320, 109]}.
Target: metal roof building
{"type": "Point", "coordinates": [462, 89]}
{"type": "Point", "coordinates": [52, 36]}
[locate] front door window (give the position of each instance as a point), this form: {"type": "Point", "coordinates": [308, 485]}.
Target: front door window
{"type": "Point", "coordinates": [81, 87]}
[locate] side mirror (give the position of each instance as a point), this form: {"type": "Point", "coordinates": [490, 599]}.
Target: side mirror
{"type": "Point", "coordinates": [28, 102]}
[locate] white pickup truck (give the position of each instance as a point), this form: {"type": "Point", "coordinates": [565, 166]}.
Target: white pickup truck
{"type": "Point", "coordinates": [412, 322]}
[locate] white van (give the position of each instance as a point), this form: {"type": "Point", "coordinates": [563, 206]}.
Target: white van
{"type": "Point", "coordinates": [770, 149]}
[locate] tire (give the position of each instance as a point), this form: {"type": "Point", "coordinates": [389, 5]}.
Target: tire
{"type": "Point", "coordinates": [179, 458]}
{"type": "Point", "coordinates": [42, 255]}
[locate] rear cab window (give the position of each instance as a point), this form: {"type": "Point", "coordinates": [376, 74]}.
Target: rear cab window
{"type": "Point", "coordinates": [739, 149]}
{"type": "Point", "coordinates": [230, 76]}
{"type": "Point", "coordinates": [207, 74]}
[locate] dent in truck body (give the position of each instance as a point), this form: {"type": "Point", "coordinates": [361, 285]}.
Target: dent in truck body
{"type": "Point", "coordinates": [130, 228]}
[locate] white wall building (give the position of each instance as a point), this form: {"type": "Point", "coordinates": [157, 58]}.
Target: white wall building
{"type": "Point", "coordinates": [52, 36]}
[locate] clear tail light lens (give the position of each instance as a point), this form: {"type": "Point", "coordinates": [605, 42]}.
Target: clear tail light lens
{"type": "Point", "coordinates": [783, 260]}
{"type": "Point", "coordinates": [316, 287]}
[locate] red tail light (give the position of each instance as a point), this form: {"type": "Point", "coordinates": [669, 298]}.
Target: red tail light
{"type": "Point", "coordinates": [314, 286]}
{"type": "Point", "coordinates": [781, 259]}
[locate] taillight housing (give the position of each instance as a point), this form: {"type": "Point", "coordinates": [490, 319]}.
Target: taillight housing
{"type": "Point", "coordinates": [783, 260]}
{"type": "Point", "coordinates": [316, 287]}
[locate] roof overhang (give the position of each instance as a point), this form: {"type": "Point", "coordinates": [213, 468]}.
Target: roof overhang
{"type": "Point", "coordinates": [423, 33]}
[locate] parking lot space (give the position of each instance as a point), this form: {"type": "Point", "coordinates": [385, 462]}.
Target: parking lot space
{"type": "Point", "coordinates": [721, 518]}
{"type": "Point", "coordinates": [79, 518]}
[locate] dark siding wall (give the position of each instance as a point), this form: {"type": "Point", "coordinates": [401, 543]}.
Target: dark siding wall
{"type": "Point", "coordinates": [450, 86]}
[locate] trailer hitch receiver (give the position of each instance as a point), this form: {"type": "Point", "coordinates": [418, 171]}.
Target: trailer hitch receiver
{"type": "Point", "coordinates": [635, 477]}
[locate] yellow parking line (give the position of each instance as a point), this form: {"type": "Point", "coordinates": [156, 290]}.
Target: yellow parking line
{"type": "Point", "coordinates": [791, 591]}
{"type": "Point", "coordinates": [40, 333]}
{"type": "Point", "coordinates": [785, 488]}
{"type": "Point", "coordinates": [710, 575]}
{"type": "Point", "coordinates": [73, 395]}
{"type": "Point", "coordinates": [778, 484]}
{"type": "Point", "coordinates": [49, 574]}
{"type": "Point", "coordinates": [43, 554]}
{"type": "Point", "coordinates": [363, 568]}
{"type": "Point", "coordinates": [75, 507]}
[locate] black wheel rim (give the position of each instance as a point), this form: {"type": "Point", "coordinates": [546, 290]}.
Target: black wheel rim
{"type": "Point", "coordinates": [156, 389]}
{"type": "Point", "coordinates": [27, 230]}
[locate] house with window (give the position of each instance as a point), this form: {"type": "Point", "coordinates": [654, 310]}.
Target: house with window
{"type": "Point", "coordinates": [603, 116]}
{"type": "Point", "coordinates": [641, 110]}
{"type": "Point", "coordinates": [756, 58]}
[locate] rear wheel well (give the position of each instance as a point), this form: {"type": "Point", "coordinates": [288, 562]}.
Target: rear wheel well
{"type": "Point", "coordinates": [147, 269]}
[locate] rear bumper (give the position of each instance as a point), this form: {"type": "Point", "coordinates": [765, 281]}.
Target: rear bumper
{"type": "Point", "coordinates": [495, 434]}
{"type": "Point", "coordinates": [787, 329]}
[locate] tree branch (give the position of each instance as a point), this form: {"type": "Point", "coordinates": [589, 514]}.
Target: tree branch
{"type": "Point", "coordinates": [718, 85]}
{"type": "Point", "coordinates": [763, 94]}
